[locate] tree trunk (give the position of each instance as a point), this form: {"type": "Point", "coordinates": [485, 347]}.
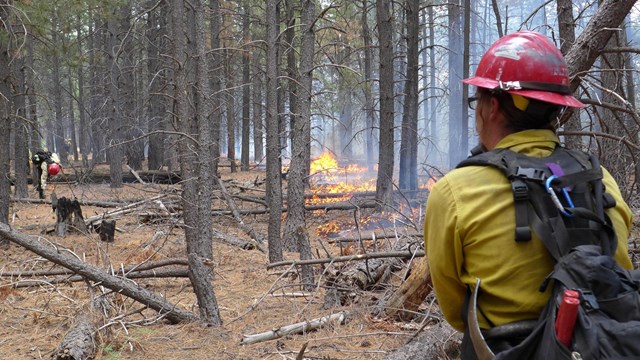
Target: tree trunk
{"type": "Point", "coordinates": [216, 67]}
{"type": "Point", "coordinates": [386, 144]}
{"type": "Point", "coordinates": [456, 122]}
{"type": "Point", "coordinates": [246, 94]}
{"type": "Point", "coordinates": [156, 24]}
{"type": "Point", "coordinates": [5, 119]}
{"type": "Point", "coordinates": [21, 148]}
{"type": "Point", "coordinates": [83, 140]}
{"type": "Point", "coordinates": [296, 228]}
{"type": "Point", "coordinates": [71, 142]}
{"type": "Point", "coordinates": [116, 107]}
{"type": "Point", "coordinates": [409, 136]}
{"type": "Point", "coordinates": [566, 26]}
{"type": "Point", "coordinates": [368, 99]}
{"type": "Point", "coordinates": [58, 90]}
{"type": "Point", "coordinates": [230, 104]}
{"type": "Point", "coordinates": [258, 122]}
{"type": "Point", "coordinates": [273, 180]}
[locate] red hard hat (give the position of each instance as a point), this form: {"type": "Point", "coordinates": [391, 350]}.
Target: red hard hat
{"type": "Point", "coordinates": [526, 63]}
{"type": "Point", "coordinates": [53, 169]}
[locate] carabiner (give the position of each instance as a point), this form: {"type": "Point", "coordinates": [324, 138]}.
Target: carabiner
{"type": "Point", "coordinates": [555, 199]}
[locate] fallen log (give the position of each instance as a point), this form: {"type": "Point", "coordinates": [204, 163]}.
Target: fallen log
{"type": "Point", "coordinates": [372, 255]}
{"type": "Point", "coordinates": [126, 287]}
{"type": "Point", "coordinates": [79, 342]}
{"type": "Point", "coordinates": [232, 240]}
{"type": "Point", "coordinates": [297, 328]}
{"type": "Point", "coordinates": [406, 300]}
{"type": "Point", "coordinates": [439, 341]}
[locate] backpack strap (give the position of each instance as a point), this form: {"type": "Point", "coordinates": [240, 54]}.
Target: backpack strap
{"type": "Point", "coordinates": [537, 206]}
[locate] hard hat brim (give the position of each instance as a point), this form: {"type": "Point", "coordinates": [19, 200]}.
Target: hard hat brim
{"type": "Point", "coordinates": [546, 96]}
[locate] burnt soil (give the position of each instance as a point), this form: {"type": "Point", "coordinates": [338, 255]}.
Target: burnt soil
{"type": "Point", "coordinates": [36, 318]}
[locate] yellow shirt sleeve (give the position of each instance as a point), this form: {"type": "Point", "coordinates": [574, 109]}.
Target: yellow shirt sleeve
{"type": "Point", "coordinates": [443, 243]}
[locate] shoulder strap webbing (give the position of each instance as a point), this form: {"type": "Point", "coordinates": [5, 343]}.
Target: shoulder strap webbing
{"type": "Point", "coordinates": [534, 208]}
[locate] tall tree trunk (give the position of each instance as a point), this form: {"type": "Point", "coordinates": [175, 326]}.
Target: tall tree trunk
{"type": "Point", "coordinates": [58, 90]}
{"type": "Point", "coordinates": [258, 122]}
{"type": "Point", "coordinates": [386, 144]}
{"type": "Point", "coordinates": [157, 82]}
{"type": "Point", "coordinates": [96, 94]}
{"type": "Point", "coordinates": [216, 87]}
{"type": "Point", "coordinates": [115, 150]}
{"type": "Point", "coordinates": [246, 94]}
{"type": "Point", "coordinates": [21, 148]}
{"type": "Point", "coordinates": [200, 248]}
{"type": "Point", "coordinates": [83, 140]}
{"type": "Point", "coordinates": [409, 136]}
{"type": "Point", "coordinates": [5, 112]}
{"type": "Point", "coordinates": [296, 228]}
{"type": "Point", "coordinates": [273, 180]}
{"type": "Point", "coordinates": [456, 153]}
{"type": "Point", "coordinates": [72, 142]}
{"type": "Point", "coordinates": [432, 78]}
{"type": "Point", "coordinates": [289, 48]}
{"type": "Point", "coordinates": [32, 110]}
{"type": "Point", "coordinates": [566, 26]}
{"type": "Point", "coordinates": [231, 109]}
{"type": "Point", "coordinates": [368, 98]}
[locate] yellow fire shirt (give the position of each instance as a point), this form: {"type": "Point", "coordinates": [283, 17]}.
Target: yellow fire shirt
{"type": "Point", "coordinates": [469, 233]}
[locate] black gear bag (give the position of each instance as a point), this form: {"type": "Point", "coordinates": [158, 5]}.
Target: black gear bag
{"type": "Point", "coordinates": [562, 199]}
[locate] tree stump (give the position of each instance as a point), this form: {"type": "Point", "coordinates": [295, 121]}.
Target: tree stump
{"type": "Point", "coordinates": [68, 216]}
{"type": "Point", "coordinates": [106, 229]}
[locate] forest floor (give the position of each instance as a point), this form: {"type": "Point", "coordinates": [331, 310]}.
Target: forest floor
{"type": "Point", "coordinates": [251, 298]}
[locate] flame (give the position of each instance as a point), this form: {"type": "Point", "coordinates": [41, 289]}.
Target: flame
{"type": "Point", "coordinates": [327, 177]}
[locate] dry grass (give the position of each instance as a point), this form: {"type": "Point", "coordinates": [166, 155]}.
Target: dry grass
{"type": "Point", "coordinates": [36, 318]}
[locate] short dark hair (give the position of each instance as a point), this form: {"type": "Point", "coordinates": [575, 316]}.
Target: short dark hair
{"type": "Point", "coordinates": [538, 115]}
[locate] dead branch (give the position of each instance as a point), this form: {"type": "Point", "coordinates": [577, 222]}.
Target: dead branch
{"type": "Point", "coordinates": [373, 255]}
{"type": "Point", "coordinates": [297, 328]}
{"type": "Point", "coordinates": [94, 220]}
{"type": "Point", "coordinates": [146, 274]}
{"type": "Point", "coordinates": [126, 287]}
{"type": "Point", "coordinates": [372, 236]}
{"type": "Point", "coordinates": [325, 207]}
{"type": "Point", "coordinates": [236, 215]}
{"type": "Point", "coordinates": [129, 268]}
{"type": "Point", "coordinates": [135, 173]}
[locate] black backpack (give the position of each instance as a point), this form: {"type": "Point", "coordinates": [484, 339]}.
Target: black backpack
{"type": "Point", "coordinates": [562, 199]}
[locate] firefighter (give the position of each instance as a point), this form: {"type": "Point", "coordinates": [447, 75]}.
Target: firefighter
{"type": "Point", "coordinates": [521, 85]}
{"type": "Point", "coordinates": [47, 165]}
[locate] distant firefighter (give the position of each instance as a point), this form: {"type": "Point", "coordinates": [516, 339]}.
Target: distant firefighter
{"type": "Point", "coordinates": [47, 165]}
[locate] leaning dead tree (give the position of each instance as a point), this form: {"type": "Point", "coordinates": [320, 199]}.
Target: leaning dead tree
{"type": "Point", "coordinates": [65, 258]}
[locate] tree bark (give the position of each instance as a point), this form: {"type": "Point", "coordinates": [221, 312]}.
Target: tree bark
{"type": "Point", "coordinates": [79, 343]}
{"type": "Point", "coordinates": [411, 293]}
{"type": "Point", "coordinates": [5, 112]}
{"type": "Point", "coordinates": [386, 145]}
{"type": "Point", "coordinates": [409, 136]}
{"type": "Point", "coordinates": [439, 341]}
{"type": "Point", "coordinates": [119, 285]}
{"type": "Point", "coordinates": [246, 92]}
{"type": "Point", "coordinates": [274, 179]}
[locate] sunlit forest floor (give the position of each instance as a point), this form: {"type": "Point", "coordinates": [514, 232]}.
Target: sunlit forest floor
{"type": "Point", "coordinates": [251, 298]}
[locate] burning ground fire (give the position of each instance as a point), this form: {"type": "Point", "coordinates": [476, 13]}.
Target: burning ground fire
{"type": "Point", "coordinates": [332, 183]}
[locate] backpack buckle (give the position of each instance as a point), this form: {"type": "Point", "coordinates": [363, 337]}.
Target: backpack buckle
{"type": "Point", "coordinates": [554, 197]}
{"type": "Point", "coordinates": [590, 301]}
{"type": "Point", "coordinates": [520, 190]}
{"type": "Point", "coordinates": [530, 173]}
